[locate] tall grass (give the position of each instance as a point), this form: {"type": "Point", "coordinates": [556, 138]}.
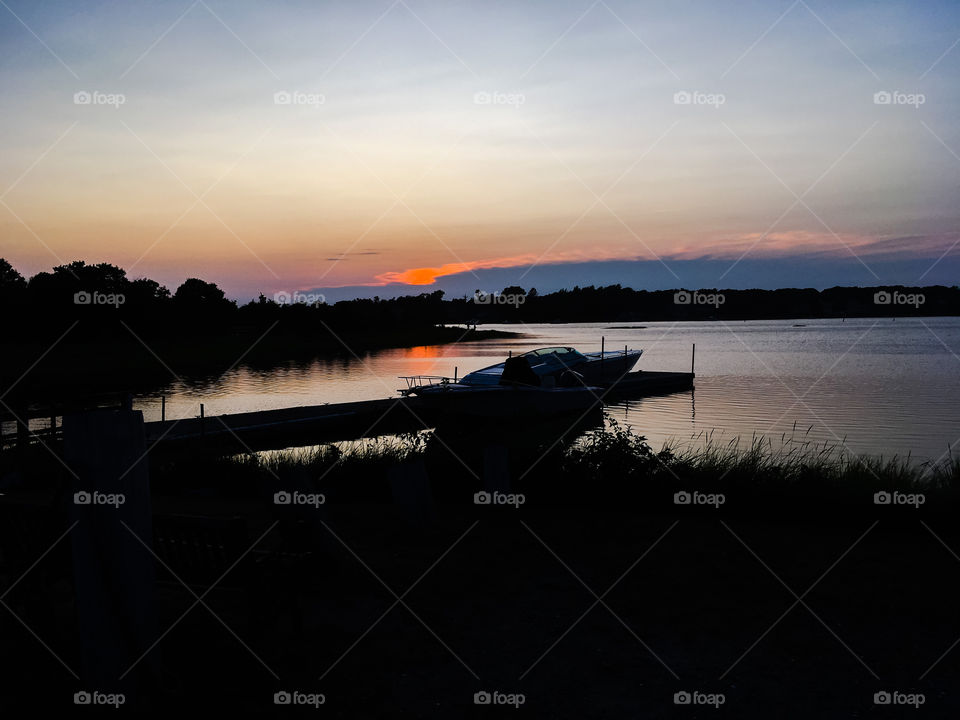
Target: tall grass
{"type": "Point", "coordinates": [613, 462]}
{"type": "Point", "coordinates": [792, 466]}
{"type": "Point", "coordinates": [382, 450]}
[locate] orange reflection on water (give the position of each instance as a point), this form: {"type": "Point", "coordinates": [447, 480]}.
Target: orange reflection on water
{"type": "Point", "coordinates": [422, 352]}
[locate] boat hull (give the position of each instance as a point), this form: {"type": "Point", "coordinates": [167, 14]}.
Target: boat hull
{"type": "Point", "coordinates": [609, 369]}
{"type": "Point", "coordinates": [508, 402]}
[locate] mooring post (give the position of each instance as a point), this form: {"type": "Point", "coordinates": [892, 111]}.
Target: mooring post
{"type": "Point", "coordinates": [163, 408]}
{"type": "Point", "coordinates": [455, 373]}
{"type": "Point", "coordinates": [693, 357]}
{"type": "Point", "coordinates": [603, 341]}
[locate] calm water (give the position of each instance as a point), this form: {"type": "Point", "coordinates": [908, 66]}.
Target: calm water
{"type": "Point", "coordinates": [877, 386]}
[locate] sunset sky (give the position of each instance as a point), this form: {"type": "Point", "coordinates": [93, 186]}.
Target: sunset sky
{"type": "Point", "coordinates": [272, 146]}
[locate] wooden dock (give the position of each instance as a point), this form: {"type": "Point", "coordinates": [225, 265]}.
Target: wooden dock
{"type": "Point", "coordinates": [311, 425]}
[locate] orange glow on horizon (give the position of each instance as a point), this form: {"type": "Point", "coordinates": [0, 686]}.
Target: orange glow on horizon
{"type": "Point", "coordinates": [429, 275]}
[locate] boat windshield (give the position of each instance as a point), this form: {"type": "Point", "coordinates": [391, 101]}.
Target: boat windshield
{"type": "Point", "coordinates": [566, 355]}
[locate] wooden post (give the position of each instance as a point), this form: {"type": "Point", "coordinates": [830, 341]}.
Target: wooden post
{"type": "Point", "coordinates": [603, 341]}
{"type": "Point", "coordinates": [163, 408]}
{"type": "Point", "coordinates": [693, 357]}
{"type": "Point", "coordinates": [455, 373]}
{"type": "Point", "coordinates": [113, 571]}
{"type": "Point", "coordinates": [201, 420]}
{"type": "Point", "coordinates": [23, 428]}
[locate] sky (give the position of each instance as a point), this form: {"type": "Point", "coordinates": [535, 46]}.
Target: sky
{"type": "Point", "coordinates": [395, 147]}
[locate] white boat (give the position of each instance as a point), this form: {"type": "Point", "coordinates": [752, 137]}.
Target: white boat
{"type": "Point", "coordinates": [540, 382]}
{"type": "Point", "coordinates": [595, 368]}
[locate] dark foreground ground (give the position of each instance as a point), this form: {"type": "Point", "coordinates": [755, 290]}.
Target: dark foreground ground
{"type": "Point", "coordinates": [586, 612]}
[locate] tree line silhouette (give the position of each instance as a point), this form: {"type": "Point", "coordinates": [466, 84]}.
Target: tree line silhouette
{"type": "Point", "coordinates": [97, 323]}
{"type": "Point", "coordinates": [623, 304]}
{"type": "Point", "coordinates": [101, 294]}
